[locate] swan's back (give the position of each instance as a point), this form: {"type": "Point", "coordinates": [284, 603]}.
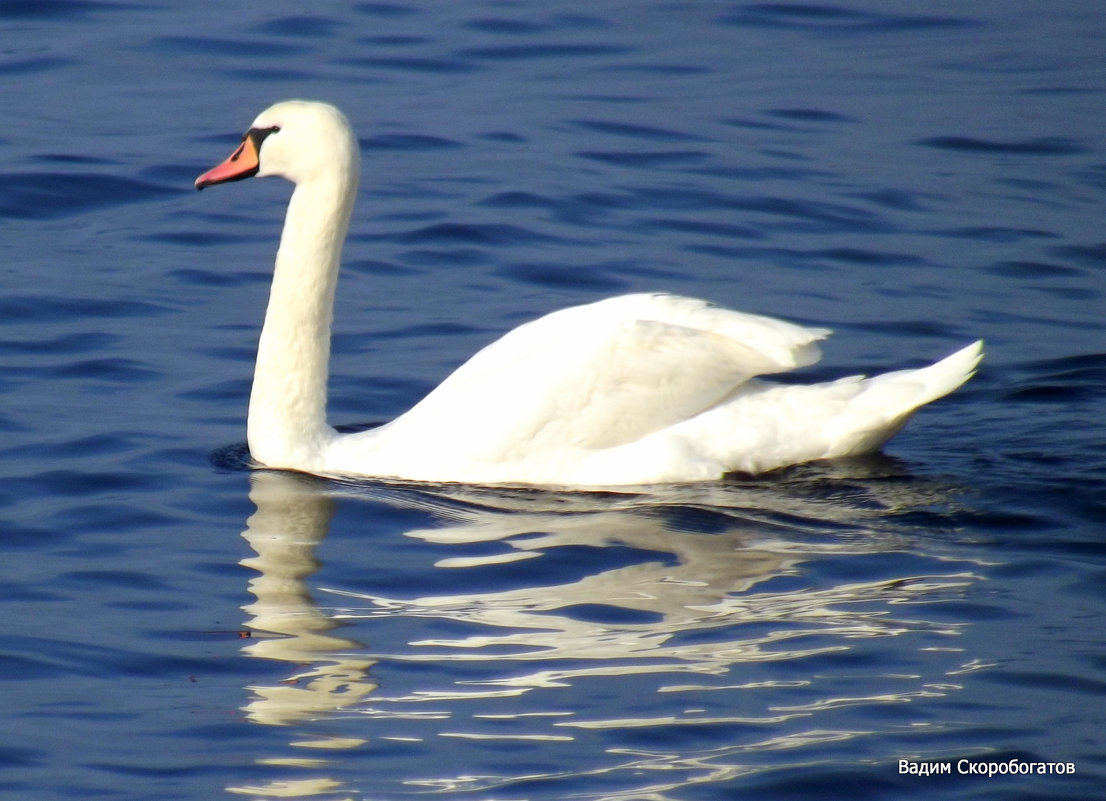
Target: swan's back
{"type": "Point", "coordinates": [606, 374]}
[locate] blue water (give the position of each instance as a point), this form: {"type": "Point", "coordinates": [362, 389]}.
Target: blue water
{"type": "Point", "coordinates": [911, 175]}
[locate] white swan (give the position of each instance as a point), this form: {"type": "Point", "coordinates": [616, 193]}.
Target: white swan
{"type": "Point", "coordinates": [637, 389]}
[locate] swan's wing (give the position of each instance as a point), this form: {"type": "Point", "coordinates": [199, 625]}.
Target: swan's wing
{"type": "Point", "coordinates": [605, 374]}
{"type": "Point", "coordinates": [640, 377]}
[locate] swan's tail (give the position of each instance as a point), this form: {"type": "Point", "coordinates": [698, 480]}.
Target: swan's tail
{"type": "Point", "coordinates": [887, 401]}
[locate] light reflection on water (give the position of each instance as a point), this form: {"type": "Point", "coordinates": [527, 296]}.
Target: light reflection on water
{"type": "Point", "coordinates": [687, 619]}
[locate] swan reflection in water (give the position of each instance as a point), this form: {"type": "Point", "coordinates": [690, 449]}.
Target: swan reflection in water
{"type": "Point", "coordinates": [292, 518]}
{"type": "Point", "coordinates": [710, 582]}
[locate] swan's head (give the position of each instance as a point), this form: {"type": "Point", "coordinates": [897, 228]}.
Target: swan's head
{"type": "Point", "coordinates": [296, 139]}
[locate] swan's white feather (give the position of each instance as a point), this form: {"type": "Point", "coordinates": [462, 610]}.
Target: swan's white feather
{"type": "Point", "coordinates": [605, 374]}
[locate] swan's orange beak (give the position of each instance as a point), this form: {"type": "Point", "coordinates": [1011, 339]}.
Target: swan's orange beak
{"type": "Point", "coordinates": [242, 163]}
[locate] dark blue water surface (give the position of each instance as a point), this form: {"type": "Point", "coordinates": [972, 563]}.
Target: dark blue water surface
{"type": "Point", "coordinates": [912, 175]}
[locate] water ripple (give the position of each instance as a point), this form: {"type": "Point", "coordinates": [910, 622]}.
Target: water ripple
{"type": "Point", "coordinates": [833, 19]}
{"type": "Point", "coordinates": [50, 195]}
{"type": "Point", "coordinates": [543, 51]}
{"type": "Point", "coordinates": [408, 142]}
{"type": "Point", "coordinates": [647, 161]}
{"type": "Point", "coordinates": [508, 27]}
{"type": "Point", "coordinates": [431, 66]}
{"type": "Point", "coordinates": [474, 234]}
{"type": "Point", "coordinates": [634, 131]}
{"type": "Point", "coordinates": [559, 275]}
{"type": "Point", "coordinates": [28, 66]}
{"type": "Point", "coordinates": [238, 48]}
{"type": "Point", "coordinates": [1067, 380]}
{"type": "Point", "coordinates": [314, 27]}
{"type": "Point", "coordinates": [51, 9]}
{"type": "Point", "coordinates": [1090, 255]}
{"type": "Point", "coordinates": [48, 309]}
{"type": "Point", "coordinates": [1042, 146]}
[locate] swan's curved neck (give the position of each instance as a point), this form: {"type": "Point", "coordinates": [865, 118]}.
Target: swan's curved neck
{"type": "Point", "coordinates": [287, 417]}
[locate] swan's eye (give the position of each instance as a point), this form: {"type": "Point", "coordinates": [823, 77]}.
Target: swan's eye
{"type": "Point", "coordinates": [257, 135]}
